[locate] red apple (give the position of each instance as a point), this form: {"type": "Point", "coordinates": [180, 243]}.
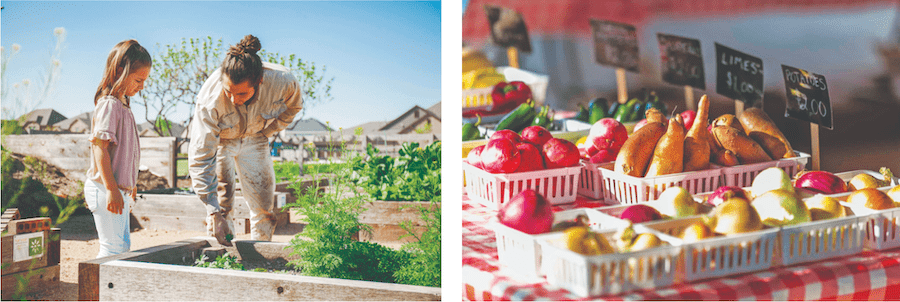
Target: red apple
{"type": "Point", "coordinates": [605, 155]}
{"type": "Point", "coordinates": [507, 134]}
{"type": "Point", "coordinates": [532, 158]}
{"type": "Point", "coordinates": [501, 156]}
{"type": "Point", "coordinates": [536, 135]}
{"type": "Point", "coordinates": [608, 133]}
{"type": "Point", "coordinates": [688, 116]}
{"type": "Point", "coordinates": [560, 153]}
{"type": "Point", "coordinates": [474, 157]}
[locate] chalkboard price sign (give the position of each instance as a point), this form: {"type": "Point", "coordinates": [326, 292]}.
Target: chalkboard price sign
{"type": "Point", "coordinates": [615, 44]}
{"type": "Point", "coordinates": [807, 97]}
{"type": "Point", "coordinates": [739, 76]}
{"type": "Point", "coordinates": [681, 60]}
{"type": "Point", "coordinates": [508, 28]}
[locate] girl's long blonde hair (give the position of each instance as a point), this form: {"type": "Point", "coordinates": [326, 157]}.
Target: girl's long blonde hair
{"type": "Point", "coordinates": [127, 56]}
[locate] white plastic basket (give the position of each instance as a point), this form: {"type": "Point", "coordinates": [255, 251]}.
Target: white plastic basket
{"type": "Point", "coordinates": [590, 182]}
{"type": "Point", "coordinates": [626, 189]}
{"type": "Point", "coordinates": [882, 227]}
{"type": "Point", "coordinates": [477, 99]}
{"type": "Point", "coordinates": [724, 255]}
{"type": "Point", "coordinates": [520, 252]}
{"type": "Point", "coordinates": [742, 175]}
{"type": "Point", "coordinates": [820, 240]}
{"type": "Point", "coordinates": [610, 274]}
{"type": "Point", "coordinates": [558, 186]}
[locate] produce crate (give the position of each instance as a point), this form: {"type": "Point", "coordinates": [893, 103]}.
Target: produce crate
{"type": "Point", "coordinates": [481, 97]}
{"type": "Point", "coordinates": [820, 240]}
{"type": "Point", "coordinates": [520, 252]}
{"type": "Point", "coordinates": [477, 99]}
{"type": "Point", "coordinates": [721, 256]}
{"type": "Point", "coordinates": [742, 175]}
{"type": "Point", "coordinates": [625, 189]}
{"type": "Point", "coordinates": [882, 227]}
{"type": "Point", "coordinates": [590, 182]}
{"type": "Point", "coordinates": [610, 274]}
{"type": "Point", "coordinates": [558, 186]}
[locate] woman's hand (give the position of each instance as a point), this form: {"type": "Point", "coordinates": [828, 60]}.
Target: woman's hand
{"type": "Point", "coordinates": [114, 202]}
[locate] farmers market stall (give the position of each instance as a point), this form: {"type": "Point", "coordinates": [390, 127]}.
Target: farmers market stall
{"type": "Point", "coordinates": [870, 275]}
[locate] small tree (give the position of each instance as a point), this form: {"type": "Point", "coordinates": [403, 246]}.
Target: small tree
{"type": "Point", "coordinates": [179, 71]}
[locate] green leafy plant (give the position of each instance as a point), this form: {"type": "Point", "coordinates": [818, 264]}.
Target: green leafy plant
{"type": "Point", "coordinates": [415, 175]}
{"type": "Point", "coordinates": [331, 249]}
{"type": "Point", "coordinates": [226, 261]}
{"type": "Point", "coordinates": [424, 265]}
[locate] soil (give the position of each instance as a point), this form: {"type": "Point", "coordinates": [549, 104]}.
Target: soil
{"type": "Point", "coordinates": [79, 243]}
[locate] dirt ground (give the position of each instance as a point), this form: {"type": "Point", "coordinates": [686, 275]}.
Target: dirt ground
{"type": "Point", "coordinates": [79, 243]}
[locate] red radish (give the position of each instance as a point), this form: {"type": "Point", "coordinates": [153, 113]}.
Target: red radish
{"type": "Point", "coordinates": [536, 135]}
{"type": "Point", "coordinates": [532, 158]}
{"type": "Point", "coordinates": [507, 134]}
{"type": "Point", "coordinates": [724, 193]}
{"type": "Point", "coordinates": [688, 116]}
{"type": "Point", "coordinates": [605, 155]}
{"type": "Point", "coordinates": [561, 153]}
{"type": "Point", "coordinates": [474, 157]}
{"type": "Point", "coordinates": [640, 213]}
{"type": "Point", "coordinates": [608, 133]}
{"type": "Point", "coordinates": [820, 182]}
{"type": "Point", "coordinates": [501, 156]}
{"type": "Point", "coordinates": [528, 212]}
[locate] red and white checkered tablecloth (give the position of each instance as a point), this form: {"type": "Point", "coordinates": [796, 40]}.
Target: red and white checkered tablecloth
{"type": "Point", "coordinates": [869, 276]}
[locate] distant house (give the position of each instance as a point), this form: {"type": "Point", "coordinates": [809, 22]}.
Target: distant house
{"type": "Point", "coordinates": [42, 119]}
{"type": "Point", "coordinates": [416, 118]}
{"type": "Point", "coordinates": [78, 124]}
{"type": "Point", "coordinates": [146, 130]}
{"type": "Point", "coordinates": [307, 127]}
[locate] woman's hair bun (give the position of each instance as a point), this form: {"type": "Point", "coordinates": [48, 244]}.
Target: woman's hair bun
{"type": "Point", "coordinates": [248, 45]}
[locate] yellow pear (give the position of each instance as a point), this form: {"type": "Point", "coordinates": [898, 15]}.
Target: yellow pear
{"type": "Point", "coordinates": [870, 198]}
{"type": "Point", "coordinates": [862, 181]}
{"type": "Point", "coordinates": [581, 240]}
{"type": "Point", "coordinates": [894, 194]}
{"type": "Point", "coordinates": [823, 207]}
{"type": "Point", "coordinates": [696, 231]}
{"type": "Point", "coordinates": [646, 241]}
{"type": "Point", "coordinates": [734, 216]}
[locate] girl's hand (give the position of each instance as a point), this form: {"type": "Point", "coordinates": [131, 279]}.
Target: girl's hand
{"type": "Point", "coordinates": [114, 202]}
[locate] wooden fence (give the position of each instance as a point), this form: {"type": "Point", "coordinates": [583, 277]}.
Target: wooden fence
{"type": "Point", "coordinates": [71, 153]}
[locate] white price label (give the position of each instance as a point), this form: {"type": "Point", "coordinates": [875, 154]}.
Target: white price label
{"type": "Point", "coordinates": [28, 246]}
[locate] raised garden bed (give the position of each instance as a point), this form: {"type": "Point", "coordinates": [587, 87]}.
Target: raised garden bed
{"type": "Point", "coordinates": [167, 210]}
{"type": "Point", "coordinates": [164, 273]}
{"type": "Point", "coordinates": [385, 217]}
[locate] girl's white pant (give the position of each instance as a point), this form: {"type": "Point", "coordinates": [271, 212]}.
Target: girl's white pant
{"type": "Point", "coordinates": [114, 230]}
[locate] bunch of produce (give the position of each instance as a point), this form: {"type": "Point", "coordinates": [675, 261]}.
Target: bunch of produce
{"type": "Point", "coordinates": [827, 183]}
{"type": "Point", "coordinates": [604, 141]}
{"type": "Point", "coordinates": [674, 202]}
{"type": "Point", "coordinates": [635, 110]}
{"type": "Point", "coordinates": [478, 71]}
{"type": "Point", "coordinates": [657, 148]}
{"type": "Point", "coordinates": [535, 149]}
{"type": "Point", "coordinates": [752, 138]}
{"type": "Point", "coordinates": [504, 97]}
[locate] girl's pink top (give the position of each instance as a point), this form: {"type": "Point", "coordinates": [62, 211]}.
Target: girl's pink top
{"type": "Point", "coordinates": [114, 122]}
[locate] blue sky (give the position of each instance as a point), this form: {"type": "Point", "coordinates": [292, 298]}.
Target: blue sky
{"type": "Point", "coordinates": [385, 56]}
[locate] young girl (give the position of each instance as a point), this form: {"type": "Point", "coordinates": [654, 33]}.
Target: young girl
{"type": "Point", "coordinates": [115, 149]}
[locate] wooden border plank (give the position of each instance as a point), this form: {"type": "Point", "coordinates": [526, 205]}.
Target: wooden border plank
{"type": "Point", "coordinates": [128, 280]}
{"type": "Point", "coordinates": [176, 252]}
{"type": "Point", "coordinates": [42, 278]}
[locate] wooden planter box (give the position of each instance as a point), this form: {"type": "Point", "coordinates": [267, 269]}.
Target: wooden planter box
{"type": "Point", "coordinates": [155, 274]}
{"type": "Point", "coordinates": [385, 217]}
{"type": "Point", "coordinates": [187, 213]}
{"type": "Point", "coordinates": [29, 250]}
